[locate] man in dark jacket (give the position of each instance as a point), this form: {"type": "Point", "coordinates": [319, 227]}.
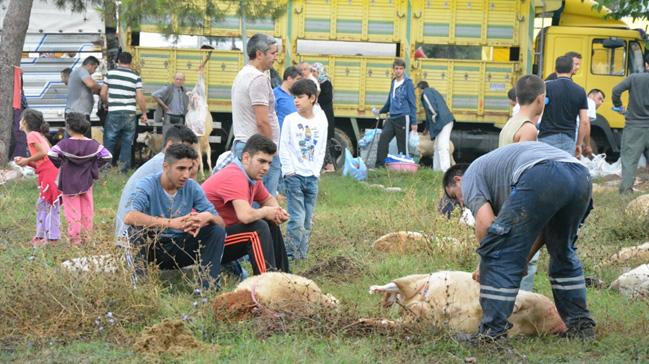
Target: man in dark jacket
{"type": "Point", "coordinates": [402, 109]}
{"type": "Point", "coordinates": [439, 122]}
{"type": "Point", "coordinates": [172, 103]}
{"type": "Point", "coordinates": [635, 137]}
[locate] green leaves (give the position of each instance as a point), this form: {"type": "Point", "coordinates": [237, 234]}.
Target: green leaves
{"type": "Point", "coordinates": [636, 9]}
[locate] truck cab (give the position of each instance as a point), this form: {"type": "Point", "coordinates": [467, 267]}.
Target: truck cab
{"type": "Point", "coordinates": [610, 52]}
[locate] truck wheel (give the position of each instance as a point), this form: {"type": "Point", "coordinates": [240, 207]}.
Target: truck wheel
{"type": "Point", "coordinates": [339, 142]}
{"type": "Point", "coordinates": [594, 145]}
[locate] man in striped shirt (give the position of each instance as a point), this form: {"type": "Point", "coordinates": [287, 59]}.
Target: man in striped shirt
{"type": "Point", "coordinates": [121, 92]}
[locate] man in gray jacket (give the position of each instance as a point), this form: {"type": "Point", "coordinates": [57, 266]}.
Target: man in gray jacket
{"type": "Point", "coordinates": [172, 103]}
{"type": "Point", "coordinates": [635, 137]}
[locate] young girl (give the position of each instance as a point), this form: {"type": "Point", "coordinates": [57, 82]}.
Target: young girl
{"type": "Point", "coordinates": [48, 204]}
{"type": "Point", "coordinates": [79, 159]}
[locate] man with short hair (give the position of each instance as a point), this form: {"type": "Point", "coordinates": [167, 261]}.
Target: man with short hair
{"type": "Point", "coordinates": [530, 95]}
{"type": "Point", "coordinates": [176, 134]}
{"type": "Point", "coordinates": [439, 122]}
{"type": "Point", "coordinates": [65, 75]}
{"type": "Point", "coordinates": [576, 65]}
{"type": "Point", "coordinates": [517, 193]}
{"type": "Point", "coordinates": [635, 136]}
{"type": "Point", "coordinates": [401, 107]}
{"type": "Point", "coordinates": [176, 222]}
{"type": "Point", "coordinates": [565, 101]}
{"type": "Point", "coordinates": [122, 91]}
{"type": "Point", "coordinates": [81, 87]}
{"type": "Point", "coordinates": [172, 103]}
{"type": "Point", "coordinates": [253, 231]}
{"type": "Point", "coordinates": [284, 103]}
{"type": "Point", "coordinates": [253, 102]}
{"type": "Point", "coordinates": [596, 98]}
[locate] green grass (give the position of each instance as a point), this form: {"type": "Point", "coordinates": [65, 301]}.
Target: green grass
{"type": "Point", "coordinates": [349, 217]}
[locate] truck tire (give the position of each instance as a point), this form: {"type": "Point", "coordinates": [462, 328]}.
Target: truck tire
{"type": "Point", "coordinates": [341, 141]}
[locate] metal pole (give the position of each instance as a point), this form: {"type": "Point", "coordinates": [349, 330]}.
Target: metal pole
{"type": "Point", "coordinates": [244, 33]}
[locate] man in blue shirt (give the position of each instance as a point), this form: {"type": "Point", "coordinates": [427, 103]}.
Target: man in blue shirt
{"type": "Point", "coordinates": [176, 134]}
{"type": "Point", "coordinates": [402, 109]}
{"type": "Point", "coordinates": [176, 221]}
{"type": "Point", "coordinates": [284, 103]}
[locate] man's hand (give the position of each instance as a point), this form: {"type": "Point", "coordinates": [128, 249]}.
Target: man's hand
{"type": "Point", "coordinates": [144, 119]}
{"type": "Point", "coordinates": [178, 223]}
{"type": "Point", "coordinates": [281, 216]}
{"type": "Point", "coordinates": [195, 221]}
{"type": "Point", "coordinates": [587, 151]}
{"type": "Point", "coordinates": [578, 151]}
{"type": "Point", "coordinates": [476, 275]}
{"type": "Point", "coordinates": [166, 109]}
{"type": "Point", "coordinates": [413, 128]}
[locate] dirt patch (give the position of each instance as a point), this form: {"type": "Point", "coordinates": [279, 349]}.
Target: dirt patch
{"type": "Point", "coordinates": [338, 268]}
{"type": "Point", "coordinates": [168, 337]}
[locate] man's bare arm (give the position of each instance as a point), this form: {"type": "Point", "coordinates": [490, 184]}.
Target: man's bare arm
{"type": "Point", "coordinates": [263, 124]}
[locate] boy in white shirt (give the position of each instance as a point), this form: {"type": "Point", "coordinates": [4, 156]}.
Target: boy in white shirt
{"type": "Point", "coordinates": [302, 149]}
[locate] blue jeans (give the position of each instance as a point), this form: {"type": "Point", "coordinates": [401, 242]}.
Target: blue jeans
{"type": "Point", "coordinates": [552, 198]}
{"type": "Point", "coordinates": [527, 284]}
{"type": "Point", "coordinates": [561, 141]}
{"type": "Point", "coordinates": [271, 179]}
{"type": "Point", "coordinates": [120, 125]}
{"type": "Point", "coordinates": [301, 195]}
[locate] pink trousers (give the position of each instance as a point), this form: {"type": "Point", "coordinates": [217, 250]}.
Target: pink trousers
{"type": "Point", "coordinates": [78, 211]}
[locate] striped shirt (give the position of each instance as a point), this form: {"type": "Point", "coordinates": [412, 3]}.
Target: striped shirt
{"type": "Point", "coordinates": [122, 84]}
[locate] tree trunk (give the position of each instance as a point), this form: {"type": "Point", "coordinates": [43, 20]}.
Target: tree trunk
{"type": "Point", "coordinates": [14, 30]}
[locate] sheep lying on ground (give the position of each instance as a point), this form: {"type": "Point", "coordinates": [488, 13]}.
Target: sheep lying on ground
{"type": "Point", "coordinates": [450, 300]}
{"type": "Point", "coordinates": [639, 207]}
{"type": "Point", "coordinates": [634, 283]}
{"type": "Point", "coordinates": [275, 292]}
{"type": "Point", "coordinates": [632, 253]}
{"type": "Point", "coordinates": [413, 242]}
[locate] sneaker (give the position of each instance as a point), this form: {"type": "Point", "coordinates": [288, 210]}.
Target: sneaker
{"type": "Point", "coordinates": [582, 330]}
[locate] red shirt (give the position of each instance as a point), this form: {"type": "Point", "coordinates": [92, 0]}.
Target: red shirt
{"type": "Point", "coordinates": [229, 184]}
{"type": "Point", "coordinates": [33, 138]}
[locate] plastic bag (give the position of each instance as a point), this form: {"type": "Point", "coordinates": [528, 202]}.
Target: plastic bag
{"type": "Point", "coordinates": [354, 167]}
{"type": "Point", "coordinates": [598, 167]}
{"type": "Point", "coordinates": [197, 109]}
{"type": "Point", "coordinates": [413, 143]}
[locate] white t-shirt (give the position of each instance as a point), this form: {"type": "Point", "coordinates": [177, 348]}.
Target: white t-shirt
{"type": "Point", "coordinates": [592, 110]}
{"type": "Point", "coordinates": [397, 84]}
{"type": "Point", "coordinates": [303, 144]}
{"type": "Point", "coordinates": [252, 87]}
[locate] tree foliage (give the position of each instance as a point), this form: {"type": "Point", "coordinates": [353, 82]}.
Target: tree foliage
{"type": "Point", "coordinates": [177, 17]}
{"type": "Point", "coordinates": [636, 9]}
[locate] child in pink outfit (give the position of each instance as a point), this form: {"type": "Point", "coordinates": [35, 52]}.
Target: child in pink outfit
{"type": "Point", "coordinates": [48, 217]}
{"type": "Point", "coordinates": [79, 159]}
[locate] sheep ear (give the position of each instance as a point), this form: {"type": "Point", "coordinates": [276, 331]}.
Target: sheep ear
{"type": "Point", "coordinates": [517, 306]}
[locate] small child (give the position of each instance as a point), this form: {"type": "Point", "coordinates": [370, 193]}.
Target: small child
{"type": "Point", "coordinates": [79, 159]}
{"type": "Point", "coordinates": [48, 204]}
{"type": "Point", "coordinates": [301, 151]}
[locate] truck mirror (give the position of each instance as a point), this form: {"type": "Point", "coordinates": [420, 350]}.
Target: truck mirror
{"type": "Point", "coordinates": [613, 43]}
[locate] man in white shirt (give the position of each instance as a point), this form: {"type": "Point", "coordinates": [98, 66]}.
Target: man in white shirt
{"type": "Point", "coordinates": [253, 102]}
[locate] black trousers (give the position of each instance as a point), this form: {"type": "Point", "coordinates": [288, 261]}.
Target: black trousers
{"type": "Point", "coordinates": [261, 235]}
{"type": "Point", "coordinates": [182, 250]}
{"type": "Point", "coordinates": [392, 127]}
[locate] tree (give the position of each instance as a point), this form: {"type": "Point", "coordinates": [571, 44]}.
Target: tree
{"type": "Point", "coordinates": [14, 30]}
{"type": "Point", "coordinates": [636, 9]}
{"type": "Point", "coordinates": [186, 16]}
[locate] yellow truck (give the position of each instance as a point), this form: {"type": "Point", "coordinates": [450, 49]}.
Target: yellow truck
{"type": "Point", "coordinates": [475, 50]}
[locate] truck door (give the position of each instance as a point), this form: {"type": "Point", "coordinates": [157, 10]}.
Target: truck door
{"type": "Point", "coordinates": [608, 67]}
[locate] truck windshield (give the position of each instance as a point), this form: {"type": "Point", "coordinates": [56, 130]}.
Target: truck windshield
{"type": "Point", "coordinates": [636, 63]}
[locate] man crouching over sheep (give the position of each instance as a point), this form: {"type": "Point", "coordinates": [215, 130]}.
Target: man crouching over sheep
{"type": "Point", "coordinates": [517, 193]}
{"type": "Point", "coordinates": [252, 231]}
{"type": "Point", "coordinates": [176, 221]}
